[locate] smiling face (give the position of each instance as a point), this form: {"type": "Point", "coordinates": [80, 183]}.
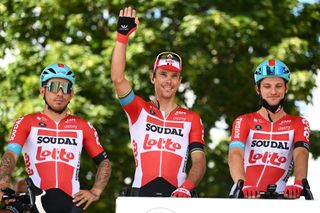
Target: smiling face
{"type": "Point", "coordinates": [272, 89]}
{"type": "Point", "coordinates": [166, 83]}
{"type": "Point", "coordinates": [56, 101]}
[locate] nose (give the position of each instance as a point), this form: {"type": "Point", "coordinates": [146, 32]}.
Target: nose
{"type": "Point", "coordinates": [60, 92]}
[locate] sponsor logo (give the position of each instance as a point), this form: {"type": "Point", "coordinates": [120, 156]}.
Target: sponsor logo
{"type": "Point", "coordinates": [237, 128]}
{"type": "Point", "coordinates": [135, 152]}
{"type": "Point", "coordinates": [70, 126]}
{"type": "Point", "coordinates": [284, 128]}
{"type": "Point", "coordinates": [285, 122]}
{"type": "Point", "coordinates": [15, 129]}
{"type": "Point", "coordinates": [272, 144]}
{"type": "Point", "coordinates": [28, 164]}
{"type": "Point", "coordinates": [70, 120]}
{"type": "Point", "coordinates": [306, 129]}
{"type": "Point", "coordinates": [163, 130]}
{"type": "Point", "coordinates": [124, 27]}
{"type": "Point", "coordinates": [267, 157]}
{"type": "Point", "coordinates": [54, 154]}
{"type": "Point", "coordinates": [180, 113]}
{"type": "Point", "coordinates": [179, 118]}
{"type": "Point", "coordinates": [258, 127]}
{"type": "Point", "coordinates": [160, 143]}
{"type": "Point", "coordinates": [152, 112]}
{"type": "Point", "coordinates": [56, 140]}
{"type": "Point", "coordinates": [42, 124]}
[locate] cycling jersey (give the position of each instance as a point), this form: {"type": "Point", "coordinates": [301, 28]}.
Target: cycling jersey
{"type": "Point", "coordinates": [269, 147]}
{"type": "Point", "coordinates": [160, 143]}
{"type": "Point", "coordinates": [52, 149]}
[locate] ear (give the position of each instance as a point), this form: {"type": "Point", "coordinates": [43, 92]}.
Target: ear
{"type": "Point", "coordinates": [287, 88]}
{"type": "Point", "coordinates": [152, 77]}
{"type": "Point", "coordinates": [42, 91]}
{"type": "Point", "coordinates": [257, 89]}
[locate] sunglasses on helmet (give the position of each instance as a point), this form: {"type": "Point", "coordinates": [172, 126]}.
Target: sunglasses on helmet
{"type": "Point", "coordinates": [169, 61]}
{"type": "Point", "coordinates": [55, 86]}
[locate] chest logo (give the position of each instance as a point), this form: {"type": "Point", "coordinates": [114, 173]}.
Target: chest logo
{"type": "Point", "coordinates": [258, 127]}
{"type": "Point", "coordinates": [42, 124]}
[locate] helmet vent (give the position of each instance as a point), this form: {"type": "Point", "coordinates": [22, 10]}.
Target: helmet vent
{"type": "Point", "coordinates": [69, 73]}
{"type": "Point", "coordinates": [52, 70]}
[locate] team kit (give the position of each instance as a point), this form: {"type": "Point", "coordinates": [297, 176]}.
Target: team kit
{"type": "Point", "coordinates": [264, 148]}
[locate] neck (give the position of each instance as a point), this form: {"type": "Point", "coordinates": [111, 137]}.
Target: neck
{"type": "Point", "coordinates": [165, 105]}
{"type": "Point", "coordinates": [55, 116]}
{"type": "Point", "coordinates": [274, 116]}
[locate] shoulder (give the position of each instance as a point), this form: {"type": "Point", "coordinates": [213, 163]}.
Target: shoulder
{"type": "Point", "coordinates": [182, 111]}
{"type": "Point", "coordinates": [298, 119]}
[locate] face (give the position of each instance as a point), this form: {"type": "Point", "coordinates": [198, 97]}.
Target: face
{"type": "Point", "coordinates": [273, 90]}
{"type": "Point", "coordinates": [166, 83]}
{"type": "Point", "coordinates": [56, 100]}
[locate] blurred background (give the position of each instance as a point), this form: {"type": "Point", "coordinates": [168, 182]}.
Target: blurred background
{"type": "Point", "coordinates": [220, 43]}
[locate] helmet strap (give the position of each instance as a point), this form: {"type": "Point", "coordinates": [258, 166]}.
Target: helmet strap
{"type": "Point", "coordinates": [51, 109]}
{"type": "Point", "coordinates": [271, 108]}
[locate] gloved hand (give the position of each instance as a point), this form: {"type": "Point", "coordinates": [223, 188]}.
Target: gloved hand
{"type": "Point", "coordinates": [293, 191]}
{"type": "Point", "coordinates": [184, 189]}
{"type": "Point", "coordinates": [126, 26]}
{"type": "Point", "coordinates": [250, 191]}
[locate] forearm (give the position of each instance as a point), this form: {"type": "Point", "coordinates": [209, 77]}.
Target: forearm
{"type": "Point", "coordinates": [197, 169]}
{"type": "Point", "coordinates": [102, 177]}
{"type": "Point", "coordinates": [300, 157]}
{"type": "Point", "coordinates": [236, 167]}
{"type": "Point", "coordinates": [7, 166]}
{"type": "Point", "coordinates": [118, 62]}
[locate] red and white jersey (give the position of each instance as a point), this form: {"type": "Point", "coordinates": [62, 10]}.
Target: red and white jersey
{"type": "Point", "coordinates": [52, 149]}
{"type": "Point", "coordinates": [160, 144]}
{"type": "Point", "coordinates": [269, 147]}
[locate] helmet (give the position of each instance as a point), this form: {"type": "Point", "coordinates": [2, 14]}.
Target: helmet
{"type": "Point", "coordinates": [57, 71]}
{"type": "Point", "coordinates": [271, 68]}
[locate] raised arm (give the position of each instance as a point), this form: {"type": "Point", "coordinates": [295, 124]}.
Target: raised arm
{"type": "Point", "coordinates": [7, 166]}
{"type": "Point", "coordinates": [127, 24]}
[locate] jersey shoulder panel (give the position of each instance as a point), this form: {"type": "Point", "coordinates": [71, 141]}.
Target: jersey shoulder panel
{"type": "Point", "coordinates": [301, 129]}
{"type": "Point", "coordinates": [241, 127]}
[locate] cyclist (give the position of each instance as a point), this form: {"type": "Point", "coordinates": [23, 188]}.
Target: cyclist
{"type": "Point", "coordinates": [266, 145]}
{"type": "Point", "coordinates": [51, 142]}
{"type": "Point", "coordinates": [162, 133]}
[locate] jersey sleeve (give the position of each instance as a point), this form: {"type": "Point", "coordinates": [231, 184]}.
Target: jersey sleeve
{"type": "Point", "coordinates": [20, 130]}
{"type": "Point", "coordinates": [240, 131]}
{"type": "Point", "coordinates": [92, 144]}
{"type": "Point", "coordinates": [132, 105]}
{"type": "Point", "coordinates": [196, 136]}
{"type": "Point", "coordinates": [302, 131]}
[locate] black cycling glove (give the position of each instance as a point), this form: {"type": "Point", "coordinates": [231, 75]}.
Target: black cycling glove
{"type": "Point", "coordinates": [126, 26]}
{"type": "Point", "coordinates": [15, 207]}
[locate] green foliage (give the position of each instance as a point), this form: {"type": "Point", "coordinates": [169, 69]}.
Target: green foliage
{"type": "Point", "coordinates": [220, 42]}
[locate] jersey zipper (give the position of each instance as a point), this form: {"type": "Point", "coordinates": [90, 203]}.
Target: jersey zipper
{"type": "Point", "coordinates": [56, 160]}
{"type": "Point", "coordinates": [265, 165]}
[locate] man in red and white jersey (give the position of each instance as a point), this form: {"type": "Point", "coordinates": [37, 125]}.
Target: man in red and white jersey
{"type": "Point", "coordinates": [51, 142]}
{"type": "Point", "coordinates": [162, 133]}
{"type": "Point", "coordinates": [266, 145]}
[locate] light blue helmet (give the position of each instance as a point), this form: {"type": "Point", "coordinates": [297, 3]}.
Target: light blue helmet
{"type": "Point", "coordinates": [271, 68]}
{"type": "Point", "coordinates": [57, 71]}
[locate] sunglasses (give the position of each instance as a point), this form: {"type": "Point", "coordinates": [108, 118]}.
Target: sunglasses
{"type": "Point", "coordinates": [55, 86]}
{"type": "Point", "coordinates": [168, 60]}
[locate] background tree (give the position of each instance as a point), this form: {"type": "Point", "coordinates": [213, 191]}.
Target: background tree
{"type": "Point", "coordinates": [220, 42]}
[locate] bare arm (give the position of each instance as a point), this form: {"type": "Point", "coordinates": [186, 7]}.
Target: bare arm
{"type": "Point", "coordinates": [198, 167]}
{"type": "Point", "coordinates": [236, 167]}
{"type": "Point", "coordinates": [102, 177]}
{"type": "Point", "coordinates": [300, 158]}
{"type": "Point", "coordinates": [89, 196]}
{"type": "Point", "coordinates": [118, 65]}
{"type": "Point", "coordinates": [7, 166]}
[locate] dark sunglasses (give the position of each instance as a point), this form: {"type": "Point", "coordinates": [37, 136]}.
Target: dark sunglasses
{"type": "Point", "coordinates": [55, 86]}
